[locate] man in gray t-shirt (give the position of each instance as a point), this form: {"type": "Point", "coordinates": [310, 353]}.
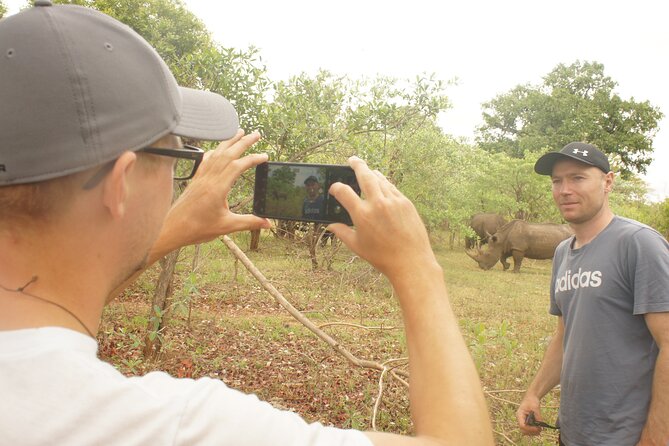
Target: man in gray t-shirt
{"type": "Point", "coordinates": [610, 291]}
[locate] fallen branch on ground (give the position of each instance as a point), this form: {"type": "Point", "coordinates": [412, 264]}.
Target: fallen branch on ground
{"type": "Point", "coordinates": [333, 343]}
{"type": "Point", "coordinates": [364, 327]}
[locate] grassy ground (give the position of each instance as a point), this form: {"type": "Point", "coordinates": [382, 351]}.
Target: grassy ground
{"type": "Point", "coordinates": [224, 325]}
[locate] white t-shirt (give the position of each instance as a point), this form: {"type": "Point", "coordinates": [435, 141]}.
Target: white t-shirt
{"type": "Point", "coordinates": [54, 390]}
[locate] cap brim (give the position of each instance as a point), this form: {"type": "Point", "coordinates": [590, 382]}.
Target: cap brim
{"type": "Point", "coordinates": [206, 115]}
{"type": "Point", "coordinates": [544, 165]}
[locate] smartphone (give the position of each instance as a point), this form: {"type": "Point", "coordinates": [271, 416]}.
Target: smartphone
{"type": "Point", "coordinates": [299, 191]}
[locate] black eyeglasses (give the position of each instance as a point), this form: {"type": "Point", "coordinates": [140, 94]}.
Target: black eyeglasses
{"type": "Point", "coordinates": [531, 421]}
{"type": "Point", "coordinates": [188, 159]}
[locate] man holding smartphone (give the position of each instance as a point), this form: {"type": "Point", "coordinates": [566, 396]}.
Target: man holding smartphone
{"type": "Point", "coordinates": [91, 122]}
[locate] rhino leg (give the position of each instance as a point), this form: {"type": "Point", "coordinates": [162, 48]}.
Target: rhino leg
{"type": "Point", "coordinates": [503, 261]}
{"type": "Point", "coordinates": [517, 260]}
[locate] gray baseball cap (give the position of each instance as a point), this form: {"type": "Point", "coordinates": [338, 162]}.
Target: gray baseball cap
{"type": "Point", "coordinates": [78, 88]}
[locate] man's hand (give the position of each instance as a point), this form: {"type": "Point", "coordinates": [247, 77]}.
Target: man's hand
{"type": "Point", "coordinates": [388, 232]}
{"type": "Point", "coordinates": [202, 212]}
{"type": "Point", "coordinates": [546, 378]}
{"type": "Point", "coordinates": [529, 404]}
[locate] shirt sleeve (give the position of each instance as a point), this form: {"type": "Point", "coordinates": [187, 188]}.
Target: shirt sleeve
{"type": "Point", "coordinates": [648, 264]}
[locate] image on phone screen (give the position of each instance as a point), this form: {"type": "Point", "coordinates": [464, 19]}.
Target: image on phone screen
{"type": "Point", "coordinates": [299, 191]}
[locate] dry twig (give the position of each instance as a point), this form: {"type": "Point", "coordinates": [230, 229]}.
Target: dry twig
{"type": "Point", "coordinates": [364, 327]}
{"type": "Point", "coordinates": [336, 346]}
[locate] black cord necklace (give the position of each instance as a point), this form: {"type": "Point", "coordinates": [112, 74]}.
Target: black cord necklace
{"type": "Point", "coordinates": [21, 290]}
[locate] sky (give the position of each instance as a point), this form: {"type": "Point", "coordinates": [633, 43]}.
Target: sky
{"type": "Point", "coordinates": [489, 46]}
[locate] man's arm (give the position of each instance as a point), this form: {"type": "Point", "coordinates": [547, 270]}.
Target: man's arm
{"type": "Point", "coordinates": [202, 212]}
{"type": "Point", "coordinates": [656, 430]}
{"type": "Point", "coordinates": [447, 402]}
{"type": "Point", "coordinates": [546, 378]}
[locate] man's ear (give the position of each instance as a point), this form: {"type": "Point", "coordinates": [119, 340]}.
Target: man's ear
{"type": "Point", "coordinates": [115, 185]}
{"type": "Point", "coordinates": [609, 181]}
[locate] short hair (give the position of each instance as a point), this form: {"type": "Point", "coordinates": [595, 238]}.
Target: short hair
{"type": "Point", "coordinates": [33, 203]}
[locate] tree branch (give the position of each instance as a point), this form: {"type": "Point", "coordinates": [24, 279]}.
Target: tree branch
{"type": "Point", "coordinates": [336, 346]}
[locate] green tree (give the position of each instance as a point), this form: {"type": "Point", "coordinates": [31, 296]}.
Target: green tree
{"type": "Point", "coordinates": [660, 217]}
{"type": "Point", "coordinates": [305, 118]}
{"type": "Point", "coordinates": [3, 9]}
{"type": "Point", "coordinates": [445, 179]}
{"type": "Point", "coordinates": [518, 191]}
{"type": "Point", "coordinates": [497, 182]}
{"type": "Point", "coordinates": [574, 103]}
{"type": "Point", "coordinates": [388, 113]}
{"type": "Point", "coordinates": [427, 173]}
{"type": "Point", "coordinates": [328, 118]}
{"type": "Point", "coordinates": [628, 200]}
{"type": "Point", "coordinates": [236, 74]}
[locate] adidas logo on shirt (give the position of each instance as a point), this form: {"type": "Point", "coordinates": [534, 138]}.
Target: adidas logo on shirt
{"type": "Point", "coordinates": [581, 279]}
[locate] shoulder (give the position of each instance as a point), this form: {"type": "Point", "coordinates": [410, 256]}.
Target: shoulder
{"type": "Point", "coordinates": [563, 246]}
{"type": "Point", "coordinates": [629, 226]}
{"type": "Point", "coordinates": [632, 231]}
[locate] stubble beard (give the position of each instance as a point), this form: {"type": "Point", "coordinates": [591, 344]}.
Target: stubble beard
{"type": "Point", "coordinates": [583, 217]}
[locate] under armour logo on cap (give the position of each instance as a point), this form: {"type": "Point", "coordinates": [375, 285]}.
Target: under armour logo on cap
{"type": "Point", "coordinates": [579, 151]}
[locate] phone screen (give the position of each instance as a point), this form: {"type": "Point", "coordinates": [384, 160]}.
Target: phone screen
{"type": "Point", "coordinates": [299, 191]}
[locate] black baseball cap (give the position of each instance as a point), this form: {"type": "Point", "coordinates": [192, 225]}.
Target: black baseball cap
{"type": "Point", "coordinates": [78, 88]}
{"type": "Point", "coordinates": [579, 151]}
{"type": "Point", "coordinates": [311, 179]}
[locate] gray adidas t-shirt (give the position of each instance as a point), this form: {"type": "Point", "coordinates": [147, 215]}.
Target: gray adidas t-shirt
{"type": "Point", "coordinates": [602, 290]}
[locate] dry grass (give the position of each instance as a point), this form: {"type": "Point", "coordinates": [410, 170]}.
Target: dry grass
{"type": "Point", "coordinates": [224, 325]}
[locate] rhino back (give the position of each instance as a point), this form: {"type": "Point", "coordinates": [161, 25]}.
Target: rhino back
{"type": "Point", "coordinates": [486, 222]}
{"type": "Point", "coordinates": [535, 240]}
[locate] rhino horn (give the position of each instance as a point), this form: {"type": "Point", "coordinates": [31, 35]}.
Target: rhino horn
{"type": "Point", "coordinates": [473, 253]}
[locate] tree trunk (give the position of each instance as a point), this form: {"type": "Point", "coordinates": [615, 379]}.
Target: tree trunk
{"type": "Point", "coordinates": [255, 239]}
{"type": "Point", "coordinates": [158, 314]}
{"type": "Point", "coordinates": [196, 258]}
{"type": "Point", "coordinates": [312, 241]}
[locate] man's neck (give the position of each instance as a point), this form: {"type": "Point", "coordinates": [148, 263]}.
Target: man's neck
{"type": "Point", "coordinates": [44, 283]}
{"type": "Point", "coordinates": [586, 232]}
{"type": "Point", "coordinates": [22, 310]}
